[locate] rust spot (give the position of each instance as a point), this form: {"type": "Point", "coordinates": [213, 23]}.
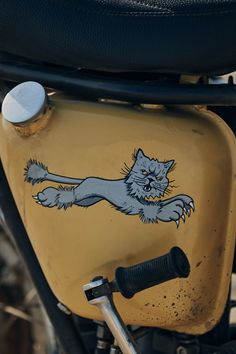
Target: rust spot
{"type": "Point", "coordinates": [147, 304]}
{"type": "Point", "coordinates": [198, 264]}
{"type": "Point", "coordinates": [195, 309]}
{"type": "Point", "coordinates": [196, 131]}
{"type": "Point", "coordinates": [164, 296]}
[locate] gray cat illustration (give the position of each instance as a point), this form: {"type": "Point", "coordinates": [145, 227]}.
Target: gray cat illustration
{"type": "Point", "coordinates": [138, 193]}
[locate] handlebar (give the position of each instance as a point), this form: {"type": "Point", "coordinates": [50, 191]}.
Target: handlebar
{"type": "Point", "coordinates": [131, 280]}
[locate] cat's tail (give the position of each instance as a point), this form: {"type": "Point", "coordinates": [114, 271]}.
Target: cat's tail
{"type": "Point", "coordinates": [36, 172]}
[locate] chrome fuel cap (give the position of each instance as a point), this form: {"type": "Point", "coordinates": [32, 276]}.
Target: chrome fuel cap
{"type": "Point", "coordinates": [24, 103]}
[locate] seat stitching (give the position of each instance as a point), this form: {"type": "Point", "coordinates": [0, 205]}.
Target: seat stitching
{"type": "Point", "coordinates": [172, 13]}
{"type": "Point", "coordinates": [164, 14]}
{"type": "Point", "coordinates": [158, 13]}
{"type": "Point", "coordinates": [150, 6]}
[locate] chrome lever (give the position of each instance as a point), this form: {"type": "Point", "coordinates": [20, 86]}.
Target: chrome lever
{"type": "Point", "coordinates": [99, 294]}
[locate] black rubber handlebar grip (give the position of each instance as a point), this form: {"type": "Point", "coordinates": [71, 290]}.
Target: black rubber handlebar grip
{"type": "Point", "coordinates": [131, 280]}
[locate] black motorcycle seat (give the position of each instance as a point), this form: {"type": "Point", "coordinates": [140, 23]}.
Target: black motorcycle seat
{"type": "Point", "coordinates": [164, 36]}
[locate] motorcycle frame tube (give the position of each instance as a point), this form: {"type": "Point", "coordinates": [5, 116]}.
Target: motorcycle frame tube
{"type": "Point", "coordinates": [63, 324]}
{"type": "Point", "coordinates": [95, 86]}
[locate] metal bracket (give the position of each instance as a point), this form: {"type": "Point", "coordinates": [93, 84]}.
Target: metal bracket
{"type": "Point", "coordinates": [99, 293]}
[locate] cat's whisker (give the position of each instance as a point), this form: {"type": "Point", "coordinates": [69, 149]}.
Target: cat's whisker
{"type": "Point", "coordinates": [125, 170]}
{"type": "Point", "coordinates": [172, 186]}
{"type": "Point", "coordinates": [167, 188]}
{"type": "Point", "coordinates": [168, 191]}
{"type": "Point", "coordinates": [127, 167]}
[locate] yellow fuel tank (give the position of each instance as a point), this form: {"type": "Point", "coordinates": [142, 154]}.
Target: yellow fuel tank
{"type": "Point", "coordinates": [112, 186]}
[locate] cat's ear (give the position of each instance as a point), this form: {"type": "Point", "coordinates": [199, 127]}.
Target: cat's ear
{"type": "Point", "coordinates": [140, 155]}
{"type": "Point", "coordinates": [169, 165]}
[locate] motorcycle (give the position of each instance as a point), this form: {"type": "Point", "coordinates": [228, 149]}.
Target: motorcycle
{"type": "Point", "coordinates": [117, 175]}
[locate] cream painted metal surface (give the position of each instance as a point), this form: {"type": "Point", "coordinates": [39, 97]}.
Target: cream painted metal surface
{"type": "Point", "coordinates": [87, 139]}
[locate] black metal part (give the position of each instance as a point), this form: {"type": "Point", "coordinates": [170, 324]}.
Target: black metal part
{"type": "Point", "coordinates": [228, 348]}
{"type": "Point", "coordinates": [95, 86]}
{"type": "Point", "coordinates": [187, 344]}
{"type": "Point", "coordinates": [101, 290]}
{"type": "Point", "coordinates": [63, 324]}
{"type": "Point", "coordinates": [104, 338]}
{"type": "Point", "coordinates": [156, 271]}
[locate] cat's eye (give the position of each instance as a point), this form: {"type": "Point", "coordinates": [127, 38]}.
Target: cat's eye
{"type": "Point", "coordinates": [144, 172]}
{"type": "Point", "coordinates": [159, 178]}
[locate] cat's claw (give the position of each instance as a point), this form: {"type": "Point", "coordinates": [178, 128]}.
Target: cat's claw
{"type": "Point", "coordinates": [192, 205]}
{"type": "Point", "coordinates": [35, 197]}
{"type": "Point", "coordinates": [39, 203]}
{"type": "Point", "coordinates": [186, 211]}
{"type": "Point", "coordinates": [183, 217]}
{"type": "Point", "coordinates": [177, 223]}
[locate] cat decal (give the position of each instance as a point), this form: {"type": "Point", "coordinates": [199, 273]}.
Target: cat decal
{"type": "Point", "coordinates": [141, 192]}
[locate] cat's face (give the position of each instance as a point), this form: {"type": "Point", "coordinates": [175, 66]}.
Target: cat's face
{"type": "Point", "coordinates": [147, 178]}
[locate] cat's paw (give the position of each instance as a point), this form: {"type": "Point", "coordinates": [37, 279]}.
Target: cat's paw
{"type": "Point", "coordinates": [188, 204]}
{"type": "Point", "coordinates": [177, 209]}
{"type": "Point", "coordinates": [63, 197]}
{"type": "Point", "coordinates": [48, 197]}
